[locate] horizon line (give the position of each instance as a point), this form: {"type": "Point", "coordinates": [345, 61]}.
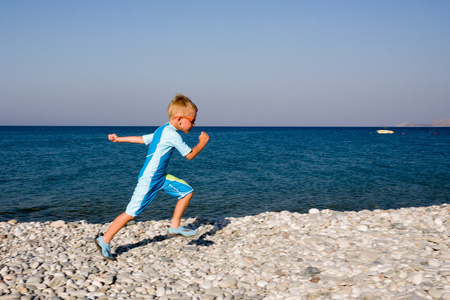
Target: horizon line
{"type": "Point", "coordinates": [225, 126]}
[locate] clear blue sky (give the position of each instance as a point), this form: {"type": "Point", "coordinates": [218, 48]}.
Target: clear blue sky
{"type": "Point", "coordinates": [261, 63]}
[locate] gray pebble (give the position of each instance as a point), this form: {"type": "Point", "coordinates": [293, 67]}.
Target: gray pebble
{"type": "Point", "coordinates": [310, 272]}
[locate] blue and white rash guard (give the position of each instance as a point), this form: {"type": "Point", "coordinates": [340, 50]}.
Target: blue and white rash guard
{"type": "Point", "coordinates": [152, 176]}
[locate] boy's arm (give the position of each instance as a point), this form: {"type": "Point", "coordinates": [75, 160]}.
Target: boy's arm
{"type": "Point", "coordinates": [203, 140]}
{"type": "Point", "coordinates": [125, 139]}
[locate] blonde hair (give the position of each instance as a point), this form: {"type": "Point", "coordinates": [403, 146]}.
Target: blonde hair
{"type": "Point", "coordinates": [181, 105]}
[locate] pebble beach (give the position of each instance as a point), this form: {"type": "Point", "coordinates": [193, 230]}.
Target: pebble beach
{"type": "Point", "coordinates": [380, 254]}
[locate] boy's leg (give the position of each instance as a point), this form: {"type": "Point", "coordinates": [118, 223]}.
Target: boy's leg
{"type": "Point", "coordinates": [143, 194]}
{"type": "Point", "coordinates": [180, 208]}
{"type": "Point", "coordinates": [116, 225]}
{"type": "Point", "coordinates": [179, 188]}
{"type": "Point", "coordinates": [175, 228]}
{"type": "Point", "coordinates": [102, 242]}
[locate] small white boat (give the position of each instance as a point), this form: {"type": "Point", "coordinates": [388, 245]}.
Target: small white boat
{"type": "Point", "coordinates": [385, 131]}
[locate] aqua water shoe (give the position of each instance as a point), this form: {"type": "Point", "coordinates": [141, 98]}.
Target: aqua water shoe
{"type": "Point", "coordinates": [104, 248]}
{"type": "Point", "coordinates": [181, 231]}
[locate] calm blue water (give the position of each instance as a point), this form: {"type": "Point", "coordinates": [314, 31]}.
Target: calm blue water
{"type": "Point", "coordinates": [75, 173]}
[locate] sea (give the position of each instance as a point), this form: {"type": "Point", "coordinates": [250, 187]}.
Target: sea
{"type": "Point", "coordinates": [76, 173]}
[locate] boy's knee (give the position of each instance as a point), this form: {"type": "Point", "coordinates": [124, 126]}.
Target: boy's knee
{"type": "Point", "coordinates": [186, 196]}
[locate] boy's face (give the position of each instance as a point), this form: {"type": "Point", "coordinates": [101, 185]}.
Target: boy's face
{"type": "Point", "coordinates": [185, 122]}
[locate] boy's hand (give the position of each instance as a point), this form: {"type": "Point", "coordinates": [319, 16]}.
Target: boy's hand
{"type": "Point", "coordinates": [125, 139]}
{"type": "Point", "coordinates": [203, 140]}
{"type": "Point", "coordinates": [113, 138]}
{"type": "Point", "coordinates": [203, 137]}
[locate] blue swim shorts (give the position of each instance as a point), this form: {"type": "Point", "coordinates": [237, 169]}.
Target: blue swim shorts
{"type": "Point", "coordinates": [145, 192]}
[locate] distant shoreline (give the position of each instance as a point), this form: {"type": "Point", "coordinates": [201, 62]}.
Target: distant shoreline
{"type": "Point", "coordinates": [436, 123]}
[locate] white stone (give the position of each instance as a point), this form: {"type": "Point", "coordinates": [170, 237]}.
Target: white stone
{"type": "Point", "coordinates": [214, 291]}
{"type": "Point", "coordinates": [385, 269]}
{"type": "Point", "coordinates": [160, 291]}
{"type": "Point", "coordinates": [262, 283]}
{"type": "Point", "coordinates": [446, 296]}
{"type": "Point", "coordinates": [34, 280]}
{"type": "Point", "coordinates": [435, 293]}
{"type": "Point", "coordinates": [314, 211]}
{"type": "Point", "coordinates": [415, 278]}
{"type": "Point", "coordinates": [206, 284]}
{"type": "Point", "coordinates": [58, 224]}
{"type": "Point", "coordinates": [92, 288]}
{"type": "Point", "coordinates": [369, 255]}
{"type": "Point", "coordinates": [362, 227]}
{"type": "Point", "coordinates": [438, 221]}
{"type": "Point", "coordinates": [434, 263]}
{"type": "Point", "coordinates": [227, 283]}
{"type": "Point", "coordinates": [356, 292]}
